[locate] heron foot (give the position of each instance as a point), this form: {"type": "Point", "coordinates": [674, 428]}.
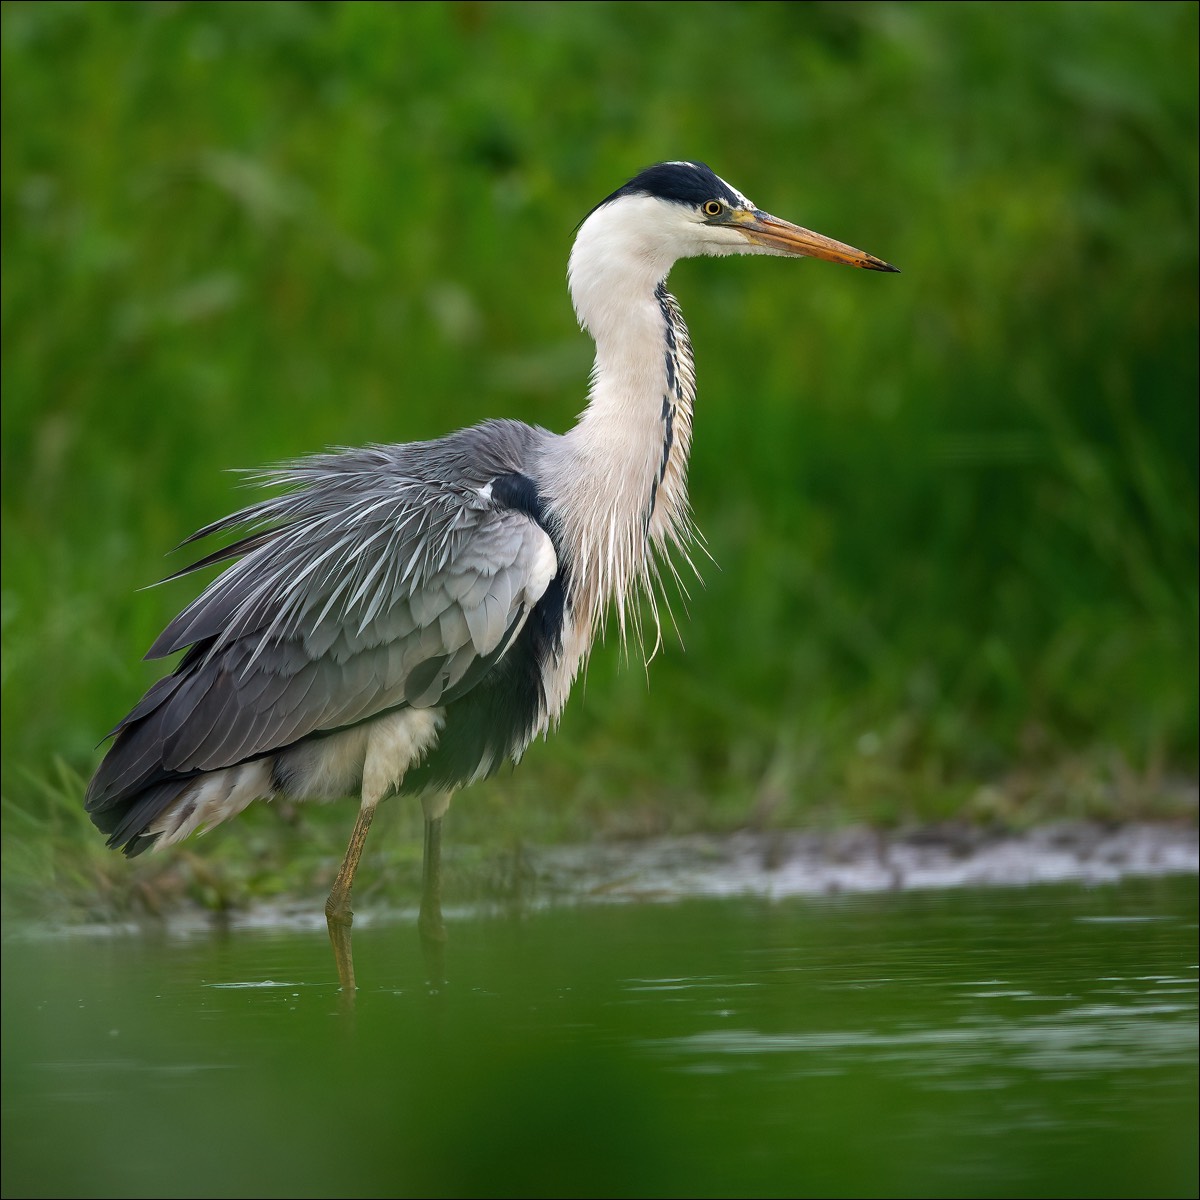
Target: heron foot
{"type": "Point", "coordinates": [431, 926]}
{"type": "Point", "coordinates": [343, 949]}
{"type": "Point", "coordinates": [433, 945]}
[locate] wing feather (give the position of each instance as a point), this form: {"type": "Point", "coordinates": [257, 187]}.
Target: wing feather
{"type": "Point", "coordinates": [369, 586]}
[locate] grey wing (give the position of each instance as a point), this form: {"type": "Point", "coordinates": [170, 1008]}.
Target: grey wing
{"type": "Point", "coordinates": [404, 597]}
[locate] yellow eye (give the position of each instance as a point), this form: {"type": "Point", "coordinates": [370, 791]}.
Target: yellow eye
{"type": "Point", "coordinates": [713, 208]}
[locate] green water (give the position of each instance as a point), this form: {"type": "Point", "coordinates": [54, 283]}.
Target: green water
{"type": "Point", "coordinates": [991, 1043]}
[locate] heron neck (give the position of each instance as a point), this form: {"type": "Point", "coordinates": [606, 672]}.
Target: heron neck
{"type": "Point", "coordinates": [621, 487]}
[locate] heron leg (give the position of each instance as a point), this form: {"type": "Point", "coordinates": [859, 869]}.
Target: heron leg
{"type": "Point", "coordinates": [430, 923]}
{"type": "Point", "coordinates": [338, 914]}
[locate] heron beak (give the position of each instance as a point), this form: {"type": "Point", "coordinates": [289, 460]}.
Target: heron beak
{"type": "Point", "coordinates": [782, 237]}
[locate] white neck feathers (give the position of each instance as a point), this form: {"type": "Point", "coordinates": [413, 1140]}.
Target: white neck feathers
{"type": "Point", "coordinates": [620, 488]}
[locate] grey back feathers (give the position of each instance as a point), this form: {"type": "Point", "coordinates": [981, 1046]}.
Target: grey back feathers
{"type": "Point", "coordinates": [379, 579]}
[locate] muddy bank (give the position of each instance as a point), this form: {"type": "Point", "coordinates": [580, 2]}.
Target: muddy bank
{"type": "Point", "coordinates": [773, 865]}
{"type": "Point", "coordinates": [778, 864]}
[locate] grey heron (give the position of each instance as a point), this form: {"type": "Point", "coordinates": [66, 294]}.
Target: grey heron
{"type": "Point", "coordinates": [406, 618]}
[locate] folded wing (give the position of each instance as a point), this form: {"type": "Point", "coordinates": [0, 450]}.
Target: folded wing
{"type": "Point", "coordinates": [370, 588]}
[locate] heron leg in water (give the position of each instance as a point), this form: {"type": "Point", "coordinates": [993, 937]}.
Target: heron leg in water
{"type": "Point", "coordinates": [338, 914]}
{"type": "Point", "coordinates": [430, 922]}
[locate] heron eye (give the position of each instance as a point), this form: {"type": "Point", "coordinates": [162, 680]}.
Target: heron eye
{"type": "Point", "coordinates": [713, 208]}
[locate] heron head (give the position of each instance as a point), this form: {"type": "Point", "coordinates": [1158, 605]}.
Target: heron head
{"type": "Point", "coordinates": [691, 211]}
{"type": "Point", "coordinates": [627, 244]}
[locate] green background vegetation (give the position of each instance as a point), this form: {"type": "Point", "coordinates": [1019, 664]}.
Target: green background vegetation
{"type": "Point", "coordinates": [954, 510]}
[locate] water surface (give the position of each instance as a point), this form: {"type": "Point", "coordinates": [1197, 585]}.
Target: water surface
{"type": "Point", "coordinates": [998, 1042]}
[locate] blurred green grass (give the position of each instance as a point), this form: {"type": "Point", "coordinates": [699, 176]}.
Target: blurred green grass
{"type": "Point", "coordinates": [954, 511]}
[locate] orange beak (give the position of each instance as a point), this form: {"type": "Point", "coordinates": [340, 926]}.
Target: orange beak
{"type": "Point", "coordinates": [782, 237]}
